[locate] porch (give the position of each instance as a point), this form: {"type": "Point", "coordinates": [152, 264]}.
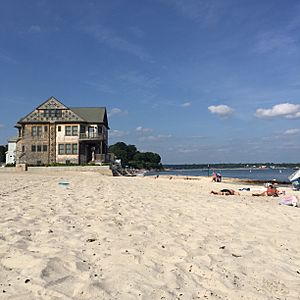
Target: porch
{"type": "Point", "coordinates": [92, 151]}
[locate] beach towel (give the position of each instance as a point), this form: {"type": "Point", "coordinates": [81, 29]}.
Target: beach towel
{"type": "Point", "coordinates": [290, 201]}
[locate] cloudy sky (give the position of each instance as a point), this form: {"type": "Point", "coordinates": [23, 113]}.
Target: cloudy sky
{"type": "Point", "coordinates": [197, 81]}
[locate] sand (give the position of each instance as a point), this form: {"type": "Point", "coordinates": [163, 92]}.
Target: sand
{"type": "Point", "coordinates": [143, 238]}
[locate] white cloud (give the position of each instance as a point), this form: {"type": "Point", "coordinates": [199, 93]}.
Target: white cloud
{"type": "Point", "coordinates": [285, 110]}
{"type": "Point", "coordinates": [117, 133]}
{"type": "Point", "coordinates": [117, 111]}
{"type": "Point", "coordinates": [292, 131]}
{"type": "Point", "coordinates": [34, 28]}
{"type": "Point", "coordinates": [188, 150]}
{"type": "Point", "coordinates": [146, 134]}
{"type": "Point", "coordinates": [186, 104]}
{"type": "Point", "coordinates": [159, 137]}
{"type": "Point", "coordinates": [1, 126]}
{"type": "Point", "coordinates": [143, 130]}
{"type": "Point", "coordinates": [222, 111]}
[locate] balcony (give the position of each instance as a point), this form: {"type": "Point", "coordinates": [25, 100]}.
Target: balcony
{"type": "Point", "coordinates": [92, 136]}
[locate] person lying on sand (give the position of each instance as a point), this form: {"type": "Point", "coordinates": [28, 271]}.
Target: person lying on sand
{"type": "Point", "coordinates": [225, 192]}
{"type": "Point", "coordinates": [271, 191]}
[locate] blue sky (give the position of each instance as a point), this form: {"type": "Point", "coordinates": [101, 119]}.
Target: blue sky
{"type": "Point", "coordinates": [196, 81]}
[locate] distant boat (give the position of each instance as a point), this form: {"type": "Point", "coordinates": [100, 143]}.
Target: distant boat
{"type": "Point", "coordinates": [280, 171]}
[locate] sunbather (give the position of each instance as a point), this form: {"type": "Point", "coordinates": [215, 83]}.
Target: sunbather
{"type": "Point", "coordinates": [271, 191]}
{"type": "Point", "coordinates": [225, 192]}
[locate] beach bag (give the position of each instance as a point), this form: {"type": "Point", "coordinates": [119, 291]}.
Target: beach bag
{"type": "Point", "coordinates": [289, 200]}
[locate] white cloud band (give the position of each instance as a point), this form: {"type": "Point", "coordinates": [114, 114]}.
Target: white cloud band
{"type": "Point", "coordinates": [223, 111]}
{"type": "Point", "coordinates": [285, 110]}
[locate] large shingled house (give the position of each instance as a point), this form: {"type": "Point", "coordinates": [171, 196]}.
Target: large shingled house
{"type": "Point", "coordinates": [54, 133]}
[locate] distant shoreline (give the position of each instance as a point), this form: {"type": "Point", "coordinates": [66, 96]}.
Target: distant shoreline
{"type": "Point", "coordinates": [255, 176]}
{"type": "Point", "coordinates": [226, 179]}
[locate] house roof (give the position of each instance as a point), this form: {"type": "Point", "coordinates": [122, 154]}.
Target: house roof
{"type": "Point", "coordinates": [90, 114]}
{"type": "Point", "coordinates": [70, 114]}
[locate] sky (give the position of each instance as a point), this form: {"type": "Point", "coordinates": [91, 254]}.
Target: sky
{"type": "Point", "coordinates": [197, 81]}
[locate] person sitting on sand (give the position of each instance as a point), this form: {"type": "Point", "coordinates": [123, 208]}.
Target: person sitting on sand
{"type": "Point", "coordinates": [214, 177]}
{"type": "Point", "coordinates": [271, 191]}
{"type": "Point", "coordinates": [225, 192]}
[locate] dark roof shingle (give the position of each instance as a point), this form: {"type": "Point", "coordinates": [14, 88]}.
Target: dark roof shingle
{"type": "Point", "coordinates": [91, 114]}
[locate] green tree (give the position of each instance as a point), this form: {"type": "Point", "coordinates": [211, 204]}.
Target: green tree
{"type": "Point", "coordinates": [131, 157]}
{"type": "Point", "coordinates": [123, 152]}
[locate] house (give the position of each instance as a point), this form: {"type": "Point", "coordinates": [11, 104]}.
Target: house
{"type": "Point", "coordinates": [54, 133]}
{"type": "Point", "coordinates": [11, 151]}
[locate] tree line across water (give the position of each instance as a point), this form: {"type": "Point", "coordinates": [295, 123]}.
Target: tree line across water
{"type": "Point", "coordinates": [233, 166]}
{"type": "Point", "coordinates": [132, 158]}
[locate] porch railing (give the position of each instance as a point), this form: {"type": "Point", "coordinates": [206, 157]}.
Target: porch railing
{"type": "Point", "coordinates": [91, 136]}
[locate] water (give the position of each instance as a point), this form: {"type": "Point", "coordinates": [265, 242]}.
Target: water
{"type": "Point", "coordinates": [281, 175]}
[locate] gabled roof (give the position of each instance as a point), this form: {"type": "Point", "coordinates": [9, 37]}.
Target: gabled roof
{"type": "Point", "coordinates": [91, 114]}
{"type": "Point", "coordinates": [70, 114]}
{"type": "Point", "coordinates": [52, 103]}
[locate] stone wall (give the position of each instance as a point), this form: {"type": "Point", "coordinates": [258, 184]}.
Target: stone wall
{"type": "Point", "coordinates": [24, 146]}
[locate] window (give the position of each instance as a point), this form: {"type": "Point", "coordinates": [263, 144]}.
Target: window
{"type": "Point", "coordinates": [46, 128]}
{"type": "Point", "coordinates": [33, 148]}
{"type": "Point", "coordinates": [82, 129]}
{"type": "Point", "coordinates": [39, 162]}
{"type": "Point", "coordinates": [39, 130]}
{"type": "Point", "coordinates": [45, 148]}
{"type": "Point", "coordinates": [74, 149]}
{"type": "Point", "coordinates": [39, 148]}
{"type": "Point", "coordinates": [53, 113]}
{"type": "Point", "coordinates": [74, 130]}
{"type": "Point", "coordinates": [68, 130]}
{"type": "Point", "coordinates": [34, 131]}
{"type": "Point", "coordinates": [46, 113]}
{"type": "Point", "coordinates": [61, 149]}
{"type": "Point", "coordinates": [58, 113]}
{"type": "Point", "coordinates": [71, 130]}
{"type": "Point", "coordinates": [23, 148]}
{"type": "Point", "coordinates": [59, 128]}
{"type": "Point", "coordinates": [68, 149]}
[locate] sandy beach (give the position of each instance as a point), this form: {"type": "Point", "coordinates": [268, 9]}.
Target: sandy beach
{"type": "Point", "coordinates": [104, 237]}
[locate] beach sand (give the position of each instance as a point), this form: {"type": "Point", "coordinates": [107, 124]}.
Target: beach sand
{"type": "Point", "coordinates": [143, 238]}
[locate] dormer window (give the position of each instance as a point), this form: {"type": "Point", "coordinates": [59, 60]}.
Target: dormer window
{"type": "Point", "coordinates": [52, 113]}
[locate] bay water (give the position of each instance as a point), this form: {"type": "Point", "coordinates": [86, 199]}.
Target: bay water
{"type": "Point", "coordinates": [281, 175]}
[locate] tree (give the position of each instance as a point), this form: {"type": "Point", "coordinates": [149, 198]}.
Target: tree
{"type": "Point", "coordinates": [131, 157]}
{"type": "Point", "coordinates": [123, 152]}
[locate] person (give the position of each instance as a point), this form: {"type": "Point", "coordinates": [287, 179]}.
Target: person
{"type": "Point", "coordinates": [271, 191]}
{"type": "Point", "coordinates": [214, 177]}
{"type": "Point", "coordinates": [225, 192]}
{"type": "Point", "coordinates": [219, 177]}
